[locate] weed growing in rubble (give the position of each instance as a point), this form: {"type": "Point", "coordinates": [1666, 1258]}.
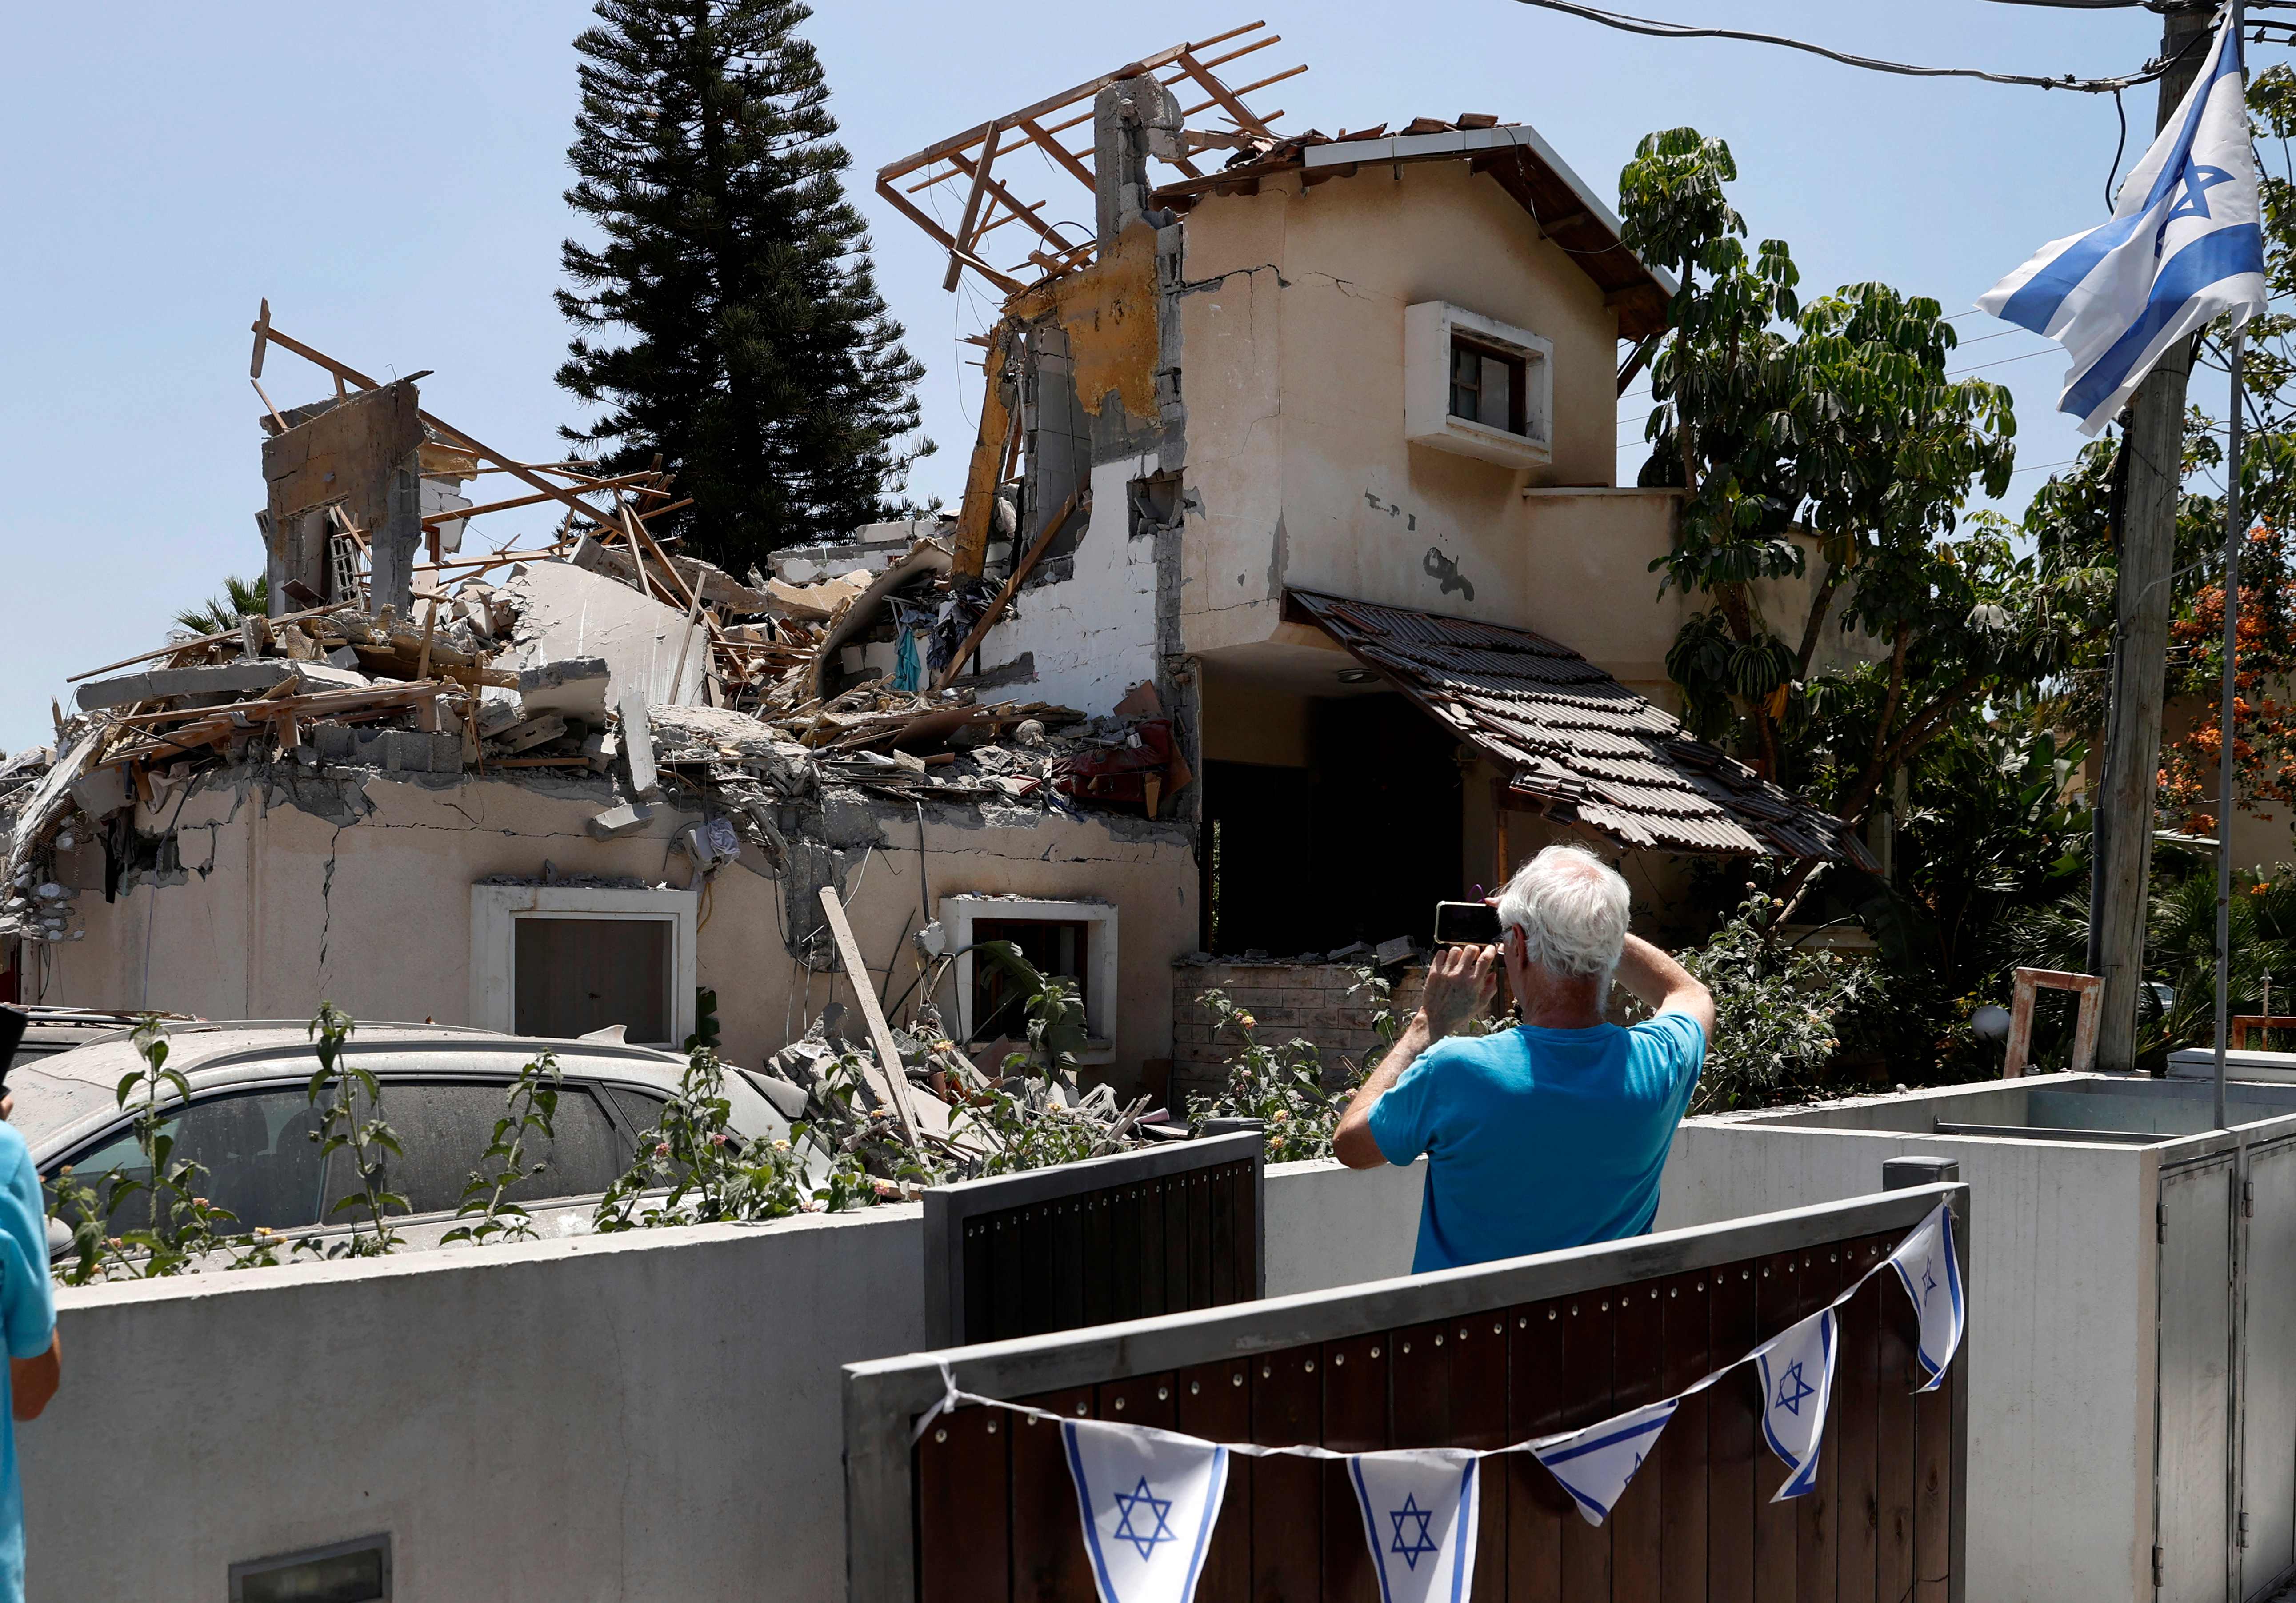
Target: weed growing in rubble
{"type": "Point", "coordinates": [530, 1106]}
{"type": "Point", "coordinates": [336, 1091]}
{"type": "Point", "coordinates": [711, 1173]}
{"type": "Point", "coordinates": [1283, 1085]}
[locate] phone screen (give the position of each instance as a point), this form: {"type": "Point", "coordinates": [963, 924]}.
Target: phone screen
{"type": "Point", "coordinates": [1466, 923]}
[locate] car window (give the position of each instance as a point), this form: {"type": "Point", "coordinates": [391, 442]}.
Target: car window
{"type": "Point", "coordinates": [443, 1126]}
{"type": "Point", "coordinates": [257, 1150]}
{"type": "Point", "coordinates": [640, 1110]}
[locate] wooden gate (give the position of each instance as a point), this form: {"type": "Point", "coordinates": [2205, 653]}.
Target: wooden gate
{"type": "Point", "coordinates": [1164, 1229]}
{"type": "Point", "coordinates": [982, 1508]}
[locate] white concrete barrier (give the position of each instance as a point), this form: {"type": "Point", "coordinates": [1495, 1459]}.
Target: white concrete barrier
{"type": "Point", "coordinates": [643, 1416]}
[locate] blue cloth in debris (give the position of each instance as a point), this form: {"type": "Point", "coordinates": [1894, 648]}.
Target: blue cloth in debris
{"type": "Point", "coordinates": [1539, 1139]}
{"type": "Point", "coordinates": [28, 1322]}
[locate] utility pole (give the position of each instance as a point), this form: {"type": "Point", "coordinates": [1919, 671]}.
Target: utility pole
{"type": "Point", "coordinates": [2155, 443]}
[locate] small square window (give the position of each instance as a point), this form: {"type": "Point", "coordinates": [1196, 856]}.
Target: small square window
{"type": "Point", "coordinates": [1053, 946]}
{"type": "Point", "coordinates": [349, 1571]}
{"type": "Point", "coordinates": [1487, 387]}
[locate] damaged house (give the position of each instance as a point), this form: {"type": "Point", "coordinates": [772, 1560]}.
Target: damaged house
{"type": "Point", "coordinates": [1291, 592]}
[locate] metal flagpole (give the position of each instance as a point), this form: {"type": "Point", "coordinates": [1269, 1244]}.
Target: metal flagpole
{"type": "Point", "coordinates": [2234, 531]}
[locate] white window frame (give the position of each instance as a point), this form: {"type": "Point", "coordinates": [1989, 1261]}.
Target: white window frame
{"type": "Point", "coordinates": [495, 913]}
{"type": "Point", "coordinates": [1428, 332]}
{"type": "Point", "coordinates": [959, 914]}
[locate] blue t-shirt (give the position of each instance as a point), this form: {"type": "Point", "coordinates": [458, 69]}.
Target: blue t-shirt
{"type": "Point", "coordinates": [1539, 1139]}
{"type": "Point", "coordinates": [27, 1324]}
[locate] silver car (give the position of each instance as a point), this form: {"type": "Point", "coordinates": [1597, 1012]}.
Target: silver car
{"type": "Point", "coordinates": [250, 1121]}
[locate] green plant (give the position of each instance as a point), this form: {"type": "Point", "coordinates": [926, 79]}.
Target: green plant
{"type": "Point", "coordinates": [1778, 1010]}
{"type": "Point", "coordinates": [711, 1174]}
{"type": "Point", "coordinates": [86, 1212]}
{"type": "Point", "coordinates": [220, 614]}
{"type": "Point", "coordinates": [1056, 1032]}
{"type": "Point", "coordinates": [1283, 1085]}
{"type": "Point", "coordinates": [530, 1106]}
{"type": "Point", "coordinates": [337, 1089]}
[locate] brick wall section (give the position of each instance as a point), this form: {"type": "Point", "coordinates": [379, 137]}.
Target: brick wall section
{"type": "Point", "coordinates": [1306, 999]}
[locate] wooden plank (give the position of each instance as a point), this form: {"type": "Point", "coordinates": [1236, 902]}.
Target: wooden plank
{"type": "Point", "coordinates": [1815, 1516]}
{"type": "Point", "coordinates": [1854, 1440]}
{"type": "Point", "coordinates": [1355, 1376]}
{"type": "Point", "coordinates": [941, 149]}
{"type": "Point", "coordinates": [1008, 1278]}
{"type": "Point", "coordinates": [1587, 1321]}
{"type": "Point", "coordinates": [1682, 1463]}
{"type": "Point", "coordinates": [1287, 1499]}
{"type": "Point", "coordinates": [1639, 1358]}
{"type": "Point", "coordinates": [1063, 1269]}
{"type": "Point", "coordinates": [892, 1082]}
{"type": "Point", "coordinates": [1137, 1399]}
{"type": "Point", "coordinates": [1449, 1388]}
{"type": "Point", "coordinates": [1124, 1252]}
{"type": "Point", "coordinates": [1098, 1269]}
{"type": "Point", "coordinates": [1733, 1438]}
{"type": "Point", "coordinates": [964, 1503]}
{"type": "Point", "coordinates": [1058, 152]}
{"type": "Point", "coordinates": [1218, 1230]}
{"type": "Point", "coordinates": [1049, 1561]}
{"type": "Point", "coordinates": [1933, 1491]}
{"type": "Point", "coordinates": [1777, 1531]}
{"type": "Point", "coordinates": [1536, 1506]}
{"type": "Point", "coordinates": [1151, 1262]}
{"type": "Point", "coordinates": [980, 1314]}
{"type": "Point", "coordinates": [1199, 1187]}
{"type": "Point", "coordinates": [1226, 99]}
{"type": "Point", "coordinates": [1214, 1404]}
{"type": "Point", "coordinates": [1894, 1450]}
{"type": "Point", "coordinates": [1177, 1233]}
{"type": "Point", "coordinates": [967, 223]}
{"type": "Point", "coordinates": [1036, 1241]}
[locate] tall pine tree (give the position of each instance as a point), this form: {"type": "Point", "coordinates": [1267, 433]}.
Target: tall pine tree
{"type": "Point", "coordinates": [756, 354]}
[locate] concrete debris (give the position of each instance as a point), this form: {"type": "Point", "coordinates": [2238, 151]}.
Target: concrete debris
{"type": "Point", "coordinates": [626, 819]}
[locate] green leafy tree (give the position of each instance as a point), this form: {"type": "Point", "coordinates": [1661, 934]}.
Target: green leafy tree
{"type": "Point", "coordinates": [220, 614]}
{"type": "Point", "coordinates": [727, 313]}
{"type": "Point", "coordinates": [1823, 442]}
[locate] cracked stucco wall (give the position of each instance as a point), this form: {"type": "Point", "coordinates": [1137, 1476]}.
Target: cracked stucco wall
{"type": "Point", "coordinates": [356, 889]}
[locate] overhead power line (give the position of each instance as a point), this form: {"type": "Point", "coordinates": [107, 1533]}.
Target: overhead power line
{"type": "Point", "coordinates": [1683, 30]}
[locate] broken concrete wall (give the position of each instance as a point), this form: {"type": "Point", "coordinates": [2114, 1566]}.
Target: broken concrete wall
{"type": "Point", "coordinates": [1322, 1002]}
{"type": "Point", "coordinates": [279, 887]}
{"type": "Point", "coordinates": [568, 612]}
{"type": "Point", "coordinates": [361, 453]}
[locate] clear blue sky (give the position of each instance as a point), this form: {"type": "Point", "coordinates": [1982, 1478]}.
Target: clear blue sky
{"type": "Point", "coordinates": [391, 177]}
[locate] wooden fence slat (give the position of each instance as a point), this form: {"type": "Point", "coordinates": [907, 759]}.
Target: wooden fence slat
{"type": "Point", "coordinates": [963, 1492]}
{"type": "Point", "coordinates": [1049, 1561]}
{"type": "Point", "coordinates": [1152, 1274]}
{"type": "Point", "coordinates": [1894, 1449]}
{"type": "Point", "coordinates": [1777, 1546]}
{"type": "Point", "coordinates": [1008, 1278]}
{"type": "Point", "coordinates": [1213, 1403]}
{"type": "Point", "coordinates": [1856, 1419]}
{"type": "Point", "coordinates": [1177, 1236]}
{"type": "Point", "coordinates": [1682, 1450]}
{"type": "Point", "coordinates": [1816, 1515]}
{"type": "Point", "coordinates": [1537, 1508]}
{"type": "Point", "coordinates": [1063, 1263]}
{"type": "Point", "coordinates": [980, 1278]}
{"type": "Point", "coordinates": [1355, 1375]}
{"type": "Point", "coordinates": [1098, 1268]}
{"type": "Point", "coordinates": [1933, 1490]}
{"type": "Point", "coordinates": [1220, 1239]}
{"type": "Point", "coordinates": [1733, 1438]}
{"type": "Point", "coordinates": [1587, 1328]}
{"type": "Point", "coordinates": [1639, 1372]}
{"type": "Point", "coordinates": [1287, 1496]}
{"type": "Point", "coordinates": [1200, 1242]}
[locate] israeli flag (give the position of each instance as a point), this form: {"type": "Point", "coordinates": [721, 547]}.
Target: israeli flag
{"type": "Point", "coordinates": [1930, 1271]}
{"type": "Point", "coordinates": [2183, 248]}
{"type": "Point", "coordinates": [1419, 1517]}
{"type": "Point", "coordinates": [1594, 1465]}
{"type": "Point", "coordinates": [1797, 1374]}
{"type": "Point", "coordinates": [1148, 1499]}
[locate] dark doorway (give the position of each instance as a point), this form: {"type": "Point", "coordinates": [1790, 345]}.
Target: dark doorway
{"type": "Point", "coordinates": [1360, 845]}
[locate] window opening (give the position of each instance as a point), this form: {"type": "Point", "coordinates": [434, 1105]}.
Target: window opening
{"type": "Point", "coordinates": [1053, 945]}
{"type": "Point", "coordinates": [1487, 387]}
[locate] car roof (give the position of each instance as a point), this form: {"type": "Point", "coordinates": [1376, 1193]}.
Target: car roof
{"type": "Point", "coordinates": [57, 1098]}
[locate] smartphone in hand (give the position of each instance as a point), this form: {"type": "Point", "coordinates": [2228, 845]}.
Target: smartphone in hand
{"type": "Point", "coordinates": [1466, 923]}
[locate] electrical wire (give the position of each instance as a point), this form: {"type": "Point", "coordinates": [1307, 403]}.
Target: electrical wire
{"type": "Point", "coordinates": [1657, 30]}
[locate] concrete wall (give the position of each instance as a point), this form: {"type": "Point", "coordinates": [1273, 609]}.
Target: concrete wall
{"type": "Point", "coordinates": [1314, 1000]}
{"type": "Point", "coordinates": [647, 1416]}
{"type": "Point", "coordinates": [359, 891]}
{"type": "Point", "coordinates": [2061, 1340]}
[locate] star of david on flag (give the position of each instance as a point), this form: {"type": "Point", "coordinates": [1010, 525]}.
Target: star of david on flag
{"type": "Point", "coordinates": [2183, 248]}
{"type": "Point", "coordinates": [1149, 1499]}
{"type": "Point", "coordinates": [1594, 1465]}
{"type": "Point", "coordinates": [1930, 1272]}
{"type": "Point", "coordinates": [1419, 1511]}
{"type": "Point", "coordinates": [1797, 1374]}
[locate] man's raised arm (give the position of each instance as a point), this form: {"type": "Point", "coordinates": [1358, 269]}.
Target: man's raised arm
{"type": "Point", "coordinates": [1460, 981]}
{"type": "Point", "coordinates": [1664, 985]}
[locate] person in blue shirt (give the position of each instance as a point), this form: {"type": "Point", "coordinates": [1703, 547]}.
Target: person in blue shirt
{"type": "Point", "coordinates": [28, 1325]}
{"type": "Point", "coordinates": [1552, 1134]}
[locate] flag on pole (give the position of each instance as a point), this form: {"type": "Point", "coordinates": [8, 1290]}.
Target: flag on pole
{"type": "Point", "coordinates": [1419, 1517]}
{"type": "Point", "coordinates": [2183, 247]}
{"type": "Point", "coordinates": [1930, 1270]}
{"type": "Point", "coordinates": [1796, 1373]}
{"type": "Point", "coordinates": [1148, 1499]}
{"type": "Point", "coordinates": [1594, 1465]}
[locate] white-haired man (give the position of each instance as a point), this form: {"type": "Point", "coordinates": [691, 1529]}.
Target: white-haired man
{"type": "Point", "coordinates": [1552, 1134]}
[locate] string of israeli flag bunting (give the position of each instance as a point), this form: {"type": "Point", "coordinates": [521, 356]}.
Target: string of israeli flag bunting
{"type": "Point", "coordinates": [1148, 1499]}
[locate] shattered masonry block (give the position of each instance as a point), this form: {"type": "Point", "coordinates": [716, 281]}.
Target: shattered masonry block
{"type": "Point", "coordinates": [100, 794]}
{"type": "Point", "coordinates": [232, 680]}
{"type": "Point", "coordinates": [343, 656]}
{"type": "Point", "coordinates": [572, 688]}
{"type": "Point", "coordinates": [621, 820]}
